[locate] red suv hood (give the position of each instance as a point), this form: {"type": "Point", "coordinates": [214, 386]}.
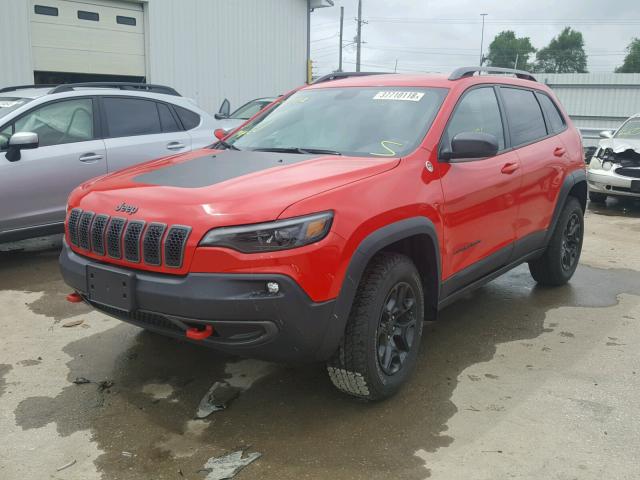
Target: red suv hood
{"type": "Point", "coordinates": [219, 188]}
{"type": "Point", "coordinates": [207, 188]}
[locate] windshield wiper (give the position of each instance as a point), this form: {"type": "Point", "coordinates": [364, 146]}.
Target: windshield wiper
{"type": "Point", "coordinates": [297, 150]}
{"type": "Point", "coordinates": [226, 145]}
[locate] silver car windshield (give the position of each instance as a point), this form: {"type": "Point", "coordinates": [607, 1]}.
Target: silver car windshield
{"type": "Point", "coordinates": [630, 130]}
{"type": "Point", "coordinates": [9, 104]}
{"type": "Point", "coordinates": [356, 121]}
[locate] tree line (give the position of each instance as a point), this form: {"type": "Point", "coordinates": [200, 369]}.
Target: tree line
{"type": "Point", "coordinates": [564, 54]}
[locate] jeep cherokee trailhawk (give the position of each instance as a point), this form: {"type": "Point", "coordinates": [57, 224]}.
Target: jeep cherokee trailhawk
{"type": "Point", "coordinates": [329, 226]}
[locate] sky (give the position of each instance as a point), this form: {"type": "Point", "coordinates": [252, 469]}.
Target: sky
{"type": "Point", "coordinates": [437, 36]}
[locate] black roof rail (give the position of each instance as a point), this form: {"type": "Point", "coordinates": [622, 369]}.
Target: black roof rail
{"type": "Point", "coordinates": [340, 75]}
{"type": "Point", "coordinates": [148, 87]}
{"type": "Point", "coordinates": [464, 72]}
{"type": "Point", "coordinates": [23, 87]}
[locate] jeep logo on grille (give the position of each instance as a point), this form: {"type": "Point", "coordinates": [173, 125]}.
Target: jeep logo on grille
{"type": "Point", "coordinates": [123, 207]}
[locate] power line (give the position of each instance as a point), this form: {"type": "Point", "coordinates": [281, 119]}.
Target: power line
{"type": "Point", "coordinates": [469, 21]}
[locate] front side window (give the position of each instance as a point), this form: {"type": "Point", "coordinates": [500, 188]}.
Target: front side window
{"type": "Point", "coordinates": [358, 121]}
{"type": "Point", "coordinates": [478, 111]}
{"type": "Point", "coordinates": [58, 123]}
{"type": "Point", "coordinates": [127, 117]}
{"type": "Point", "coordinates": [526, 122]}
{"type": "Point", "coordinates": [631, 130]}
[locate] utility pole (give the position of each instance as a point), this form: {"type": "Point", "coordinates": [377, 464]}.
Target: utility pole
{"type": "Point", "coordinates": [482, 38]}
{"type": "Point", "coordinates": [359, 36]}
{"type": "Point", "coordinates": [515, 67]}
{"type": "Point", "coordinates": [341, 31]}
{"type": "Point", "coordinates": [395, 69]}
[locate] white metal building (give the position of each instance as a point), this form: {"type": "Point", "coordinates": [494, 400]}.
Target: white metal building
{"type": "Point", "coordinates": [207, 49]}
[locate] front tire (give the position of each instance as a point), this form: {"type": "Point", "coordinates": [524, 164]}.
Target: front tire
{"type": "Point", "coordinates": [560, 260]}
{"type": "Point", "coordinates": [380, 346]}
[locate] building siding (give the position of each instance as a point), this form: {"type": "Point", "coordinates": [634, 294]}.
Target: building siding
{"type": "Point", "coordinates": [240, 49]}
{"type": "Point", "coordinates": [15, 39]}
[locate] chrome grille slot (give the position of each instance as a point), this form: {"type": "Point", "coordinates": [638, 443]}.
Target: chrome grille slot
{"type": "Point", "coordinates": [114, 237]}
{"type": "Point", "coordinates": [84, 225]}
{"type": "Point", "coordinates": [174, 245]}
{"type": "Point", "coordinates": [152, 243]}
{"type": "Point", "coordinates": [132, 236]}
{"type": "Point", "coordinates": [97, 233]}
{"type": "Point", "coordinates": [72, 225]}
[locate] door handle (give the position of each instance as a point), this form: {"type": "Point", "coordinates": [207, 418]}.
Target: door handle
{"type": "Point", "coordinates": [509, 168]}
{"type": "Point", "coordinates": [90, 158]}
{"type": "Point", "coordinates": [559, 151]}
{"type": "Point", "coordinates": [175, 146]}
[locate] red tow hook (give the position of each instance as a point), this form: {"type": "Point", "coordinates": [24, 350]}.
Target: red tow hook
{"type": "Point", "coordinates": [74, 297]}
{"type": "Point", "coordinates": [195, 334]}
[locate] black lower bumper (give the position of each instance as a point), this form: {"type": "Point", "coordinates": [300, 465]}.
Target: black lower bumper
{"type": "Point", "coordinates": [246, 320]}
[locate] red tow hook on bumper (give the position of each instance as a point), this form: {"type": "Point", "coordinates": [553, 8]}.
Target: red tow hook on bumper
{"type": "Point", "coordinates": [74, 297]}
{"type": "Point", "coordinates": [195, 334]}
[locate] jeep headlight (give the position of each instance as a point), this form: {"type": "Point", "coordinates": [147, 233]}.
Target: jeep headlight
{"type": "Point", "coordinates": [271, 236]}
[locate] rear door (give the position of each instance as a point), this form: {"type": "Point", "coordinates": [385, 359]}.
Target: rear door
{"type": "Point", "coordinates": [34, 189]}
{"type": "Point", "coordinates": [480, 207]}
{"type": "Point", "coordinates": [542, 157]}
{"type": "Point", "coordinates": [138, 130]}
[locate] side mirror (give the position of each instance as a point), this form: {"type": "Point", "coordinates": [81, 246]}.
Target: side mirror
{"type": "Point", "coordinates": [21, 141]}
{"type": "Point", "coordinates": [225, 110]}
{"type": "Point", "coordinates": [606, 134]}
{"type": "Point", "coordinates": [471, 145]}
{"type": "Point", "coordinates": [220, 133]}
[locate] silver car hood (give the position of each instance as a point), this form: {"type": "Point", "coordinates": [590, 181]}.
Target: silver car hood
{"type": "Point", "coordinates": [619, 145]}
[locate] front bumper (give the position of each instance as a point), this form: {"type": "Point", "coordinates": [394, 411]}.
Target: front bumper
{"type": "Point", "coordinates": [609, 182]}
{"type": "Point", "coordinates": [247, 321]}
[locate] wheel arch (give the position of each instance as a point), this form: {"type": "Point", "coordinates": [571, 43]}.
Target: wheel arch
{"type": "Point", "coordinates": [415, 237]}
{"type": "Point", "coordinates": [574, 185]}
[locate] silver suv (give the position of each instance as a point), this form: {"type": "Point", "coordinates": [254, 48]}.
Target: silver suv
{"type": "Point", "coordinates": [54, 138]}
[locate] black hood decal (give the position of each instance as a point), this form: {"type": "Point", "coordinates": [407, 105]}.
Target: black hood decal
{"type": "Point", "coordinates": [216, 168]}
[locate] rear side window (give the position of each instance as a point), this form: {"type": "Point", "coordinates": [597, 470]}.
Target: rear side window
{"type": "Point", "coordinates": [127, 117]}
{"type": "Point", "coordinates": [478, 111]}
{"type": "Point", "coordinates": [188, 118]}
{"type": "Point", "coordinates": [167, 122]}
{"type": "Point", "coordinates": [526, 122]}
{"type": "Point", "coordinates": [556, 122]}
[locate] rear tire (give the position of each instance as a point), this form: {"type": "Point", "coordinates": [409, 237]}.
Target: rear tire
{"type": "Point", "coordinates": [596, 197]}
{"type": "Point", "coordinates": [382, 337]}
{"type": "Point", "coordinates": [560, 260]}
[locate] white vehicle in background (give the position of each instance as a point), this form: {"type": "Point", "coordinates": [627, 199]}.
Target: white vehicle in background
{"type": "Point", "coordinates": [230, 121]}
{"type": "Point", "coordinates": [614, 169]}
{"type": "Point", "coordinates": [53, 138]}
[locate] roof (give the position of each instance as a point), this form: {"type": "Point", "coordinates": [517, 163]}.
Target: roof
{"type": "Point", "coordinates": [26, 93]}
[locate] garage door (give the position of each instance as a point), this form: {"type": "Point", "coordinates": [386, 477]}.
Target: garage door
{"type": "Point", "coordinates": [94, 37]}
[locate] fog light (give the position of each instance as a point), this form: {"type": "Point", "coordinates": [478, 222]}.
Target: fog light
{"type": "Point", "coordinates": [273, 287]}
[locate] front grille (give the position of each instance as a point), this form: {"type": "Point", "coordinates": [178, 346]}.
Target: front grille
{"type": "Point", "coordinates": [133, 241]}
{"type": "Point", "coordinates": [174, 245]}
{"type": "Point", "coordinates": [629, 172]}
{"type": "Point", "coordinates": [74, 218]}
{"type": "Point", "coordinates": [140, 317]}
{"type": "Point", "coordinates": [97, 233]}
{"type": "Point", "coordinates": [84, 238]}
{"type": "Point", "coordinates": [114, 237]}
{"type": "Point", "coordinates": [152, 243]}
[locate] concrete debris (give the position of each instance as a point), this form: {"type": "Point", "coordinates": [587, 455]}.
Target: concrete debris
{"type": "Point", "coordinates": [81, 381]}
{"type": "Point", "coordinates": [105, 385]}
{"type": "Point", "coordinates": [217, 398]}
{"type": "Point", "coordinates": [73, 323]}
{"type": "Point", "coordinates": [228, 466]}
{"type": "Point", "coordinates": [67, 465]}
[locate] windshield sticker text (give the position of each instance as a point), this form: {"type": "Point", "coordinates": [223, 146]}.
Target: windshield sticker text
{"type": "Point", "coordinates": [7, 104]}
{"type": "Point", "coordinates": [404, 96]}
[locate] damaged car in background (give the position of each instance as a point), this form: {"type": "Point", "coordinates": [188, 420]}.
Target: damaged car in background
{"type": "Point", "coordinates": [614, 169]}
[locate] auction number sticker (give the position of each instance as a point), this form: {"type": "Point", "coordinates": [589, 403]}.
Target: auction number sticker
{"type": "Point", "coordinates": [404, 96]}
{"type": "Point", "coordinates": [10, 103]}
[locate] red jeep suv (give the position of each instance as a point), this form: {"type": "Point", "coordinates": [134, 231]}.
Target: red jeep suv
{"type": "Point", "coordinates": [328, 227]}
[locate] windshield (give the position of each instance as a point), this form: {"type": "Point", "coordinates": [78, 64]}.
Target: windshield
{"type": "Point", "coordinates": [248, 110]}
{"type": "Point", "coordinates": [9, 104]}
{"type": "Point", "coordinates": [372, 121]}
{"type": "Point", "coordinates": [631, 129]}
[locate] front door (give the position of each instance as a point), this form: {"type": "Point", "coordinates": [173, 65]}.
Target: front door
{"type": "Point", "coordinates": [34, 189]}
{"type": "Point", "coordinates": [479, 196]}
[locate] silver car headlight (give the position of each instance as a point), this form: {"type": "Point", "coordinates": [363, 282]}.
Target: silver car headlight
{"type": "Point", "coordinates": [271, 236]}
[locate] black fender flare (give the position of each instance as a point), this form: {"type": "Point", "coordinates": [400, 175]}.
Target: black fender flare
{"type": "Point", "coordinates": [370, 245]}
{"type": "Point", "coordinates": [570, 181]}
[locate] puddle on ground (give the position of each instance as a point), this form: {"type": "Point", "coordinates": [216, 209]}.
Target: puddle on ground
{"type": "Point", "coordinates": [617, 207]}
{"type": "Point", "coordinates": [293, 415]}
